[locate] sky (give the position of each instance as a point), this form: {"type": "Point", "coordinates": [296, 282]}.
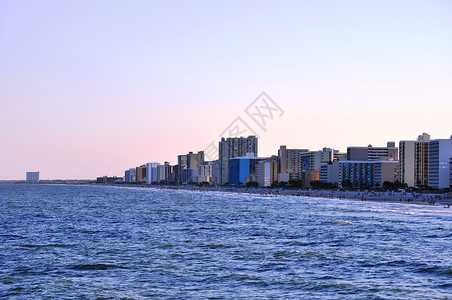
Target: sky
{"type": "Point", "coordinates": [91, 88]}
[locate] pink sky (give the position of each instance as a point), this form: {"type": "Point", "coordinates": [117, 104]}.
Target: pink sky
{"type": "Point", "coordinates": [93, 89]}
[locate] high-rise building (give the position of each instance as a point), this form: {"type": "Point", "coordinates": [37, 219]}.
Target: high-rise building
{"type": "Point", "coordinates": [188, 161]}
{"type": "Point", "coordinates": [215, 172]}
{"type": "Point", "coordinates": [152, 172]}
{"type": "Point", "coordinates": [141, 173]}
{"type": "Point", "coordinates": [32, 176]}
{"type": "Point", "coordinates": [373, 153]}
{"type": "Point", "coordinates": [163, 172]}
{"type": "Point", "coordinates": [130, 175]}
{"type": "Point", "coordinates": [310, 176]}
{"type": "Point", "coordinates": [181, 165]}
{"type": "Point", "coordinates": [440, 152]}
{"type": "Point", "coordinates": [413, 160]}
{"type": "Point", "coordinates": [205, 172]}
{"type": "Point", "coordinates": [231, 148]}
{"type": "Point", "coordinates": [194, 160]}
{"type": "Point", "coordinates": [267, 172]}
{"type": "Point", "coordinates": [289, 166]}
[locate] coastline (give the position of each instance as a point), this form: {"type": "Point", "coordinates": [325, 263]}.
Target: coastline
{"type": "Point", "coordinates": [444, 200]}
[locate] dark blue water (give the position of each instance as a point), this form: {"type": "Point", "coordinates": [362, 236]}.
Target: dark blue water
{"type": "Point", "coordinates": [107, 242]}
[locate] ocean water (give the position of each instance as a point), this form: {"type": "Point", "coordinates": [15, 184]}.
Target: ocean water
{"type": "Point", "coordinates": [91, 242]}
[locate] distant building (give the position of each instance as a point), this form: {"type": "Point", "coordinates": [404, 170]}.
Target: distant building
{"type": "Point", "coordinates": [205, 172]}
{"type": "Point", "coordinates": [107, 180]}
{"type": "Point", "coordinates": [367, 174]}
{"type": "Point", "coordinates": [141, 173]}
{"type": "Point", "coordinates": [373, 153]}
{"type": "Point", "coordinates": [450, 173]}
{"type": "Point", "coordinates": [189, 176]}
{"type": "Point", "coordinates": [414, 161]}
{"type": "Point", "coordinates": [152, 175]}
{"type": "Point", "coordinates": [163, 172]}
{"type": "Point", "coordinates": [440, 152]}
{"type": "Point", "coordinates": [289, 166]}
{"type": "Point", "coordinates": [189, 161]}
{"type": "Point", "coordinates": [310, 176]}
{"type": "Point", "coordinates": [267, 172]}
{"type": "Point", "coordinates": [216, 172]}
{"type": "Point", "coordinates": [329, 172]}
{"type": "Point", "coordinates": [312, 160]}
{"type": "Point", "coordinates": [32, 176]}
{"type": "Point", "coordinates": [172, 174]}
{"type": "Point", "coordinates": [231, 148]}
{"type": "Point", "coordinates": [130, 175]}
{"type": "Point", "coordinates": [243, 169]}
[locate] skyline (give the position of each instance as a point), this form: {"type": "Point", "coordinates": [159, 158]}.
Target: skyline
{"type": "Point", "coordinates": [90, 89]}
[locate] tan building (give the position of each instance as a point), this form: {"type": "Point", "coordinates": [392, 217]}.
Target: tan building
{"type": "Point", "coordinates": [267, 172]}
{"type": "Point", "coordinates": [141, 173]}
{"type": "Point", "coordinates": [289, 163]}
{"type": "Point", "coordinates": [414, 161]}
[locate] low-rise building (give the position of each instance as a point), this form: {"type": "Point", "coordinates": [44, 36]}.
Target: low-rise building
{"type": "Point", "coordinates": [329, 172]}
{"type": "Point", "coordinates": [310, 176]}
{"type": "Point", "coordinates": [243, 169]}
{"type": "Point", "coordinates": [32, 176]}
{"type": "Point", "coordinates": [367, 174]}
{"type": "Point", "coordinates": [163, 172]}
{"type": "Point", "coordinates": [189, 176]}
{"type": "Point", "coordinates": [108, 180]}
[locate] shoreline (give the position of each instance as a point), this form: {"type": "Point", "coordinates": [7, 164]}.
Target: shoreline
{"type": "Point", "coordinates": [444, 200]}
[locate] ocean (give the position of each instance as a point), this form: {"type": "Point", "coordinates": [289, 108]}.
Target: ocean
{"type": "Point", "coordinates": [105, 242]}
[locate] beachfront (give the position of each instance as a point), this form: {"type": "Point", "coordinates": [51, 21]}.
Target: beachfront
{"type": "Point", "coordinates": [388, 196]}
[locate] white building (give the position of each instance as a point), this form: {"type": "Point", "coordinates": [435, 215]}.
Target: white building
{"type": "Point", "coordinates": [440, 152]}
{"type": "Point", "coordinates": [205, 172]}
{"type": "Point", "coordinates": [152, 172]}
{"type": "Point", "coordinates": [329, 172]}
{"type": "Point", "coordinates": [163, 171]}
{"type": "Point", "coordinates": [32, 176]}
